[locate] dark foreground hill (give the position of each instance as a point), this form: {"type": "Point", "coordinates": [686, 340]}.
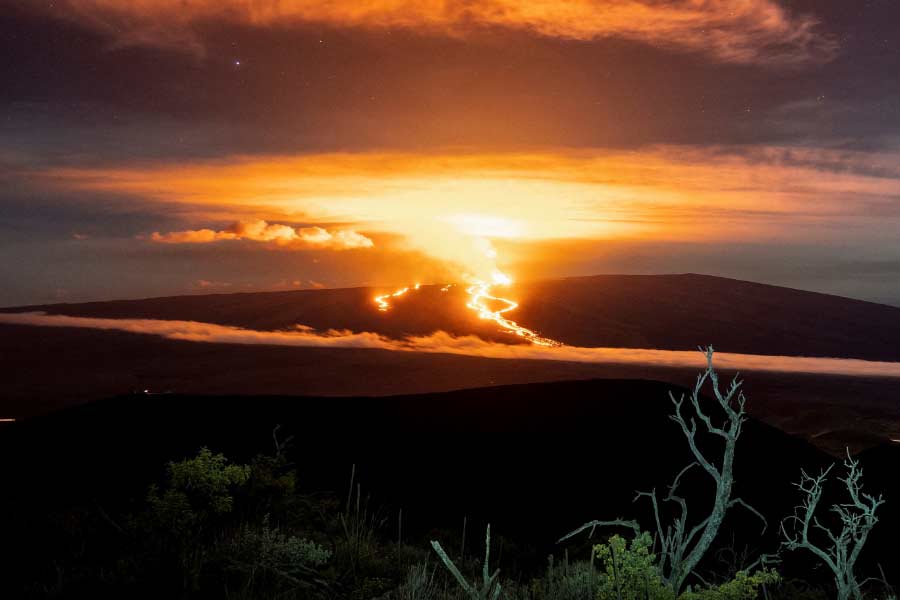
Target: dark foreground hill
{"type": "Point", "coordinates": [48, 368]}
{"type": "Point", "coordinates": [534, 460]}
{"type": "Point", "coordinates": [677, 312]}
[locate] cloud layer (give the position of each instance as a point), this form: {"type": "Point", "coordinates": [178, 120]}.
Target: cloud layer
{"type": "Point", "coordinates": [444, 343]}
{"type": "Point", "coordinates": [667, 191]}
{"type": "Point", "coordinates": [261, 231]}
{"type": "Point", "coordinates": [738, 31]}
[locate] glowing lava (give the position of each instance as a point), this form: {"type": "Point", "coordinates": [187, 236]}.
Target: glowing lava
{"type": "Point", "coordinates": [479, 295]}
{"type": "Point", "coordinates": [480, 292]}
{"type": "Point", "coordinates": [382, 301]}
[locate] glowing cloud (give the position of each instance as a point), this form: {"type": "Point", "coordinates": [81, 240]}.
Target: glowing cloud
{"type": "Point", "coordinates": [460, 208]}
{"type": "Point", "coordinates": [444, 343]}
{"type": "Point", "coordinates": [261, 231]}
{"type": "Point", "coordinates": [741, 31]}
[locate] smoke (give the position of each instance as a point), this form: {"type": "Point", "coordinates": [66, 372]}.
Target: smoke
{"type": "Point", "coordinates": [737, 31]}
{"type": "Point", "coordinates": [444, 343]}
{"type": "Point", "coordinates": [261, 231]}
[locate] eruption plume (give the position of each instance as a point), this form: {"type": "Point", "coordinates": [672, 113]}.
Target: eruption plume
{"type": "Point", "coordinates": [465, 244]}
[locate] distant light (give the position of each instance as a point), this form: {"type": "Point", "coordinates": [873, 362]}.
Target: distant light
{"type": "Point", "coordinates": [237, 63]}
{"type": "Point", "coordinates": [895, 440]}
{"type": "Point", "coordinates": [7, 420]}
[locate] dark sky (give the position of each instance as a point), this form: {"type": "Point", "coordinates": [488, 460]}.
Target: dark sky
{"type": "Point", "coordinates": [593, 136]}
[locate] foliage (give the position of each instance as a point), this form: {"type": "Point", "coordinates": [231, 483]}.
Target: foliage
{"type": "Point", "coordinates": [358, 545]}
{"type": "Point", "coordinates": [217, 529]}
{"type": "Point", "coordinates": [198, 490]}
{"type": "Point", "coordinates": [568, 581]}
{"type": "Point", "coordinates": [489, 589]}
{"type": "Point", "coordinates": [267, 547]}
{"type": "Point", "coordinates": [629, 570]}
{"type": "Point", "coordinates": [419, 584]}
{"type": "Point", "coordinates": [857, 519]}
{"type": "Point", "coordinates": [744, 586]}
{"type": "Point", "coordinates": [682, 547]}
{"type": "Point", "coordinates": [183, 517]}
{"type": "Point", "coordinates": [266, 557]}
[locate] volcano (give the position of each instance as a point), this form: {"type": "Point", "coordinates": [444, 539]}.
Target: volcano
{"type": "Point", "coordinates": [51, 367]}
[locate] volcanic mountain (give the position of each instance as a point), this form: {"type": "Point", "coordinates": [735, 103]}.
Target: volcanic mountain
{"type": "Point", "coordinates": [50, 367]}
{"type": "Point", "coordinates": [674, 312]}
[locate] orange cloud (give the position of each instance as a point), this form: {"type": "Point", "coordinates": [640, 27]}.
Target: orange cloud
{"type": "Point", "coordinates": [668, 191]}
{"type": "Point", "coordinates": [261, 231]}
{"type": "Point", "coordinates": [463, 208]}
{"type": "Point", "coordinates": [741, 31]}
{"type": "Point", "coordinates": [445, 343]}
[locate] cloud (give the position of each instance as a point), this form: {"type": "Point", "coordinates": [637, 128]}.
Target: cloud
{"type": "Point", "coordinates": [738, 31]}
{"type": "Point", "coordinates": [445, 343]}
{"type": "Point", "coordinates": [664, 191]}
{"type": "Point", "coordinates": [456, 207]}
{"type": "Point", "coordinates": [261, 231]}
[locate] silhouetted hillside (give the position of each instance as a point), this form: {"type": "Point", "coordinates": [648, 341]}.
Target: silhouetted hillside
{"type": "Point", "coordinates": [534, 460]}
{"type": "Point", "coordinates": [634, 311]}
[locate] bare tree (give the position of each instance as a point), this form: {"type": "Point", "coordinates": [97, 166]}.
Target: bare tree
{"type": "Point", "coordinates": [857, 519]}
{"type": "Point", "coordinates": [682, 547]}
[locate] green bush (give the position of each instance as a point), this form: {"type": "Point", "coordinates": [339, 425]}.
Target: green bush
{"type": "Point", "coordinates": [744, 586]}
{"type": "Point", "coordinates": [266, 558]}
{"type": "Point", "coordinates": [197, 490]}
{"type": "Point", "coordinates": [628, 571]}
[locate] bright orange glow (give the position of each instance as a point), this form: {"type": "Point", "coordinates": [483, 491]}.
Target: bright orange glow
{"type": "Point", "coordinates": [383, 301]}
{"type": "Point", "coordinates": [480, 292]}
{"type": "Point", "coordinates": [456, 209]}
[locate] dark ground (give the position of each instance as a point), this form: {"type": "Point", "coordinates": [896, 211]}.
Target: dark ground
{"type": "Point", "coordinates": [47, 368]}
{"type": "Point", "coordinates": [534, 460]}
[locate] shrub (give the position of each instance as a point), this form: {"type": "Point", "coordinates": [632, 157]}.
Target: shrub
{"type": "Point", "coordinates": [628, 571]}
{"type": "Point", "coordinates": [266, 557]}
{"type": "Point", "coordinates": [744, 586]}
{"type": "Point", "coordinates": [568, 581]}
{"type": "Point", "coordinates": [198, 489]}
{"type": "Point", "coordinates": [184, 517]}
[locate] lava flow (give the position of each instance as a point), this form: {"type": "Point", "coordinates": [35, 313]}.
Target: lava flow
{"type": "Point", "coordinates": [479, 295]}
{"type": "Point", "coordinates": [480, 292]}
{"type": "Point", "coordinates": [382, 301]}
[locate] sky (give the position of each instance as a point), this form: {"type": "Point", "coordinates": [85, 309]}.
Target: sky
{"type": "Point", "coordinates": [164, 147]}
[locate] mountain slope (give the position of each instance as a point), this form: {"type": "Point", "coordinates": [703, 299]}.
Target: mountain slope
{"type": "Point", "coordinates": [676, 312]}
